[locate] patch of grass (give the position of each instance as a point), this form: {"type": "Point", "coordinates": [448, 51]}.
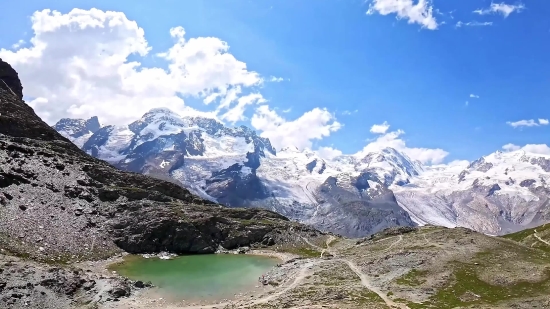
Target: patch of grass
{"type": "Point", "coordinates": [519, 236]}
{"type": "Point", "coordinates": [333, 242]}
{"type": "Point", "coordinates": [522, 235]}
{"type": "Point", "coordinates": [412, 278]}
{"type": "Point", "coordinates": [301, 251]}
{"type": "Point", "coordinates": [468, 289]}
{"type": "Point", "coordinates": [425, 247]}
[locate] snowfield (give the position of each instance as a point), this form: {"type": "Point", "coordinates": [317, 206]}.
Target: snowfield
{"type": "Point", "coordinates": [498, 193]}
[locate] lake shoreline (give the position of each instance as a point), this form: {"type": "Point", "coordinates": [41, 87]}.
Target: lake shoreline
{"type": "Point", "coordinates": [154, 298]}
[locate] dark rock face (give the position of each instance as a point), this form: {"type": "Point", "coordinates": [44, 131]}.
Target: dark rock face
{"type": "Point", "coordinates": [58, 203]}
{"type": "Point", "coordinates": [527, 182]}
{"type": "Point", "coordinates": [542, 162]}
{"type": "Point", "coordinates": [351, 207]}
{"type": "Point", "coordinates": [10, 80]}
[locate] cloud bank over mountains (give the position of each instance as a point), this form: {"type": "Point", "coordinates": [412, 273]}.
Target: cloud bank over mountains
{"type": "Point", "coordinates": [86, 63]}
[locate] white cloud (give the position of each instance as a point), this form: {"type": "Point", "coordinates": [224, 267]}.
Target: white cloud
{"type": "Point", "coordinates": [466, 103]}
{"type": "Point", "coordinates": [276, 79]}
{"type": "Point", "coordinates": [393, 140]}
{"type": "Point", "coordinates": [527, 123]}
{"type": "Point", "coordinates": [380, 128]}
{"type": "Point", "coordinates": [475, 96]}
{"type": "Point", "coordinates": [77, 65]}
{"type": "Point", "coordinates": [288, 110]}
{"type": "Point", "coordinates": [537, 148]}
{"type": "Point", "coordinates": [532, 148]}
{"type": "Point", "coordinates": [237, 112]}
{"type": "Point", "coordinates": [501, 8]}
{"type": "Point", "coordinates": [328, 153]}
{"type": "Point", "coordinates": [18, 44]}
{"type": "Point", "coordinates": [511, 147]}
{"type": "Point", "coordinates": [347, 112]}
{"type": "Point", "coordinates": [420, 13]}
{"type": "Point", "coordinates": [314, 124]}
{"type": "Point", "coordinates": [473, 24]}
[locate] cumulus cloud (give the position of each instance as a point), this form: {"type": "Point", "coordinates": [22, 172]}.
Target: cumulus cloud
{"type": "Point", "coordinates": [237, 112]}
{"type": "Point", "coordinates": [532, 148]}
{"type": "Point", "coordinates": [475, 96]}
{"type": "Point", "coordinates": [328, 153]}
{"type": "Point", "coordinates": [527, 123]}
{"type": "Point", "coordinates": [501, 8]}
{"type": "Point", "coordinates": [511, 147]}
{"type": "Point", "coordinates": [380, 128]}
{"type": "Point", "coordinates": [78, 65]}
{"type": "Point", "coordinates": [473, 24]}
{"type": "Point", "coordinates": [420, 13]}
{"type": "Point", "coordinates": [276, 79]}
{"type": "Point", "coordinates": [314, 124]}
{"type": "Point", "coordinates": [393, 140]}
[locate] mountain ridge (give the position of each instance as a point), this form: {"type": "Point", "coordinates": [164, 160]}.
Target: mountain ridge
{"type": "Point", "coordinates": [216, 164]}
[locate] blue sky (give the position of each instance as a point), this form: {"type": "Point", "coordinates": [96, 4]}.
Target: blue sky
{"type": "Point", "coordinates": [333, 55]}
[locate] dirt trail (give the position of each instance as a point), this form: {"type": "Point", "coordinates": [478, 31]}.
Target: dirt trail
{"type": "Point", "coordinates": [304, 272]}
{"type": "Point", "coordinates": [540, 239]}
{"type": "Point", "coordinates": [365, 281]}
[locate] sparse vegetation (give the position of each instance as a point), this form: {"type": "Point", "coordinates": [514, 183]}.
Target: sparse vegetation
{"type": "Point", "coordinates": [412, 278]}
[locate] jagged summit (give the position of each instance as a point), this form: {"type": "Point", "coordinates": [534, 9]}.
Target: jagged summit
{"type": "Point", "coordinates": [77, 130]}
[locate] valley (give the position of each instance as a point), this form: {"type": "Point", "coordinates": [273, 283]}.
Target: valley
{"type": "Point", "coordinates": [66, 217]}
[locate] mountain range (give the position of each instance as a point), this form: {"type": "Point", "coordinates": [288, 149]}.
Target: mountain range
{"type": "Point", "coordinates": [353, 195]}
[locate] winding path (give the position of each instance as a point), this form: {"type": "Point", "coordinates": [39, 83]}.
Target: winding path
{"type": "Point", "coordinates": [365, 281]}
{"type": "Point", "coordinates": [540, 239]}
{"type": "Point", "coordinates": [303, 273]}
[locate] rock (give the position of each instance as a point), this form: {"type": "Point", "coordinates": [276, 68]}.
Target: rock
{"type": "Point", "coordinates": [89, 285]}
{"type": "Point", "coordinates": [119, 290]}
{"type": "Point", "coordinates": [10, 80]}
{"type": "Point", "coordinates": [139, 284]}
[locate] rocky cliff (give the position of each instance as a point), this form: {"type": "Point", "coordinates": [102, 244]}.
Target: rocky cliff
{"type": "Point", "coordinates": [59, 203]}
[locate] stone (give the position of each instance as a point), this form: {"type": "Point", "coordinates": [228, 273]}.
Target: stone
{"type": "Point", "coordinates": [139, 284]}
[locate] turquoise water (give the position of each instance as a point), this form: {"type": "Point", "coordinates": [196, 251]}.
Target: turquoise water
{"type": "Point", "coordinates": [198, 277]}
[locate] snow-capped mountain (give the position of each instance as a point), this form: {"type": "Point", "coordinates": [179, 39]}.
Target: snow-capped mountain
{"type": "Point", "coordinates": [496, 194]}
{"type": "Point", "coordinates": [77, 130]}
{"type": "Point", "coordinates": [354, 195]}
{"type": "Point", "coordinates": [238, 168]}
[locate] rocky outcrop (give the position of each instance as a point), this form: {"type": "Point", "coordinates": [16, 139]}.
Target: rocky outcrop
{"type": "Point", "coordinates": [357, 206]}
{"type": "Point", "coordinates": [27, 284]}
{"type": "Point", "coordinates": [10, 80]}
{"type": "Point", "coordinates": [59, 204]}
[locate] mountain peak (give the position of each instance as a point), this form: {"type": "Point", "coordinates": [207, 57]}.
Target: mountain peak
{"type": "Point", "coordinates": [290, 149]}
{"type": "Point", "coordinates": [160, 111]}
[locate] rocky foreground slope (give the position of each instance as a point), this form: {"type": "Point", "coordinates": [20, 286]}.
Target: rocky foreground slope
{"type": "Point", "coordinates": [59, 205]}
{"type": "Point", "coordinates": [407, 268]}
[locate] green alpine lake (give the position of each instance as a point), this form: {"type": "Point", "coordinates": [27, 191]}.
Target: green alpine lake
{"type": "Point", "coordinates": [198, 277]}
